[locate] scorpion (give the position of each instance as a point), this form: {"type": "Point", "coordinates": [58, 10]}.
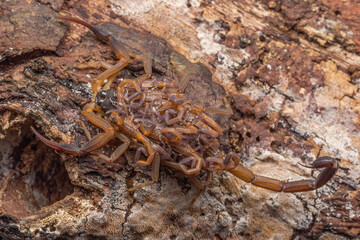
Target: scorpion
{"type": "Point", "coordinates": [171, 130]}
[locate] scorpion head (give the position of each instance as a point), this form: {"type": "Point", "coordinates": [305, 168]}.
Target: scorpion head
{"type": "Point", "coordinates": [106, 99]}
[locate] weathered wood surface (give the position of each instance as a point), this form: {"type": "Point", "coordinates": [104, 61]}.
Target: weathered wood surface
{"type": "Point", "coordinates": [289, 69]}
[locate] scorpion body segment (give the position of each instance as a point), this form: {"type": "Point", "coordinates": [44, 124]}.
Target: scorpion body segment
{"type": "Point", "coordinates": [173, 131]}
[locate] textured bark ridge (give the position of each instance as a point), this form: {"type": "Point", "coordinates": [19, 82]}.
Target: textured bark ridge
{"type": "Point", "coordinates": [290, 71]}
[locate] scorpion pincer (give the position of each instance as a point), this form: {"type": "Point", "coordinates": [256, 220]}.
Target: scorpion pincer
{"type": "Point", "coordinates": [172, 130]}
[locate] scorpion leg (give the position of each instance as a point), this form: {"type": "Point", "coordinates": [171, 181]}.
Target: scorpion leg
{"type": "Point", "coordinates": [212, 123]}
{"type": "Point", "coordinates": [125, 82]}
{"type": "Point", "coordinates": [121, 53]}
{"type": "Point", "coordinates": [176, 119]}
{"type": "Point", "coordinates": [102, 65]}
{"type": "Point", "coordinates": [171, 134]}
{"type": "Point", "coordinates": [197, 183]}
{"type": "Point", "coordinates": [231, 164]}
{"type": "Point", "coordinates": [111, 72]}
{"type": "Point", "coordinates": [119, 150]}
{"type": "Point", "coordinates": [97, 82]}
{"type": "Point", "coordinates": [172, 165]}
{"type": "Point", "coordinates": [147, 68]}
{"type": "Point", "coordinates": [148, 130]}
{"type": "Point", "coordinates": [117, 47]}
{"type": "Point", "coordinates": [188, 151]}
{"type": "Point", "coordinates": [149, 148]}
{"type": "Point", "coordinates": [200, 186]}
{"type": "Point", "coordinates": [101, 138]}
{"type": "Point", "coordinates": [214, 163]}
{"type": "Point", "coordinates": [187, 129]}
{"type": "Point", "coordinates": [196, 162]}
{"type": "Point", "coordinates": [196, 169]}
{"type": "Point", "coordinates": [95, 143]}
{"type": "Point", "coordinates": [127, 127]}
{"type": "Point", "coordinates": [187, 160]}
{"type": "Point", "coordinates": [155, 167]}
{"type": "Point", "coordinates": [330, 165]}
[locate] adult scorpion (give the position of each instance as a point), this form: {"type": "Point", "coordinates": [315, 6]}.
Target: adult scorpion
{"type": "Point", "coordinates": [172, 130]}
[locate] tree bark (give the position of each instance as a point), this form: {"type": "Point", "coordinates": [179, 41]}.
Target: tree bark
{"type": "Point", "coordinates": [290, 71]}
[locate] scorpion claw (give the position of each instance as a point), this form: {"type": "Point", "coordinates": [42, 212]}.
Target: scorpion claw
{"type": "Point", "coordinates": [322, 162]}
{"type": "Point", "coordinates": [325, 176]}
{"type": "Point", "coordinates": [69, 148]}
{"type": "Point", "coordinates": [331, 166]}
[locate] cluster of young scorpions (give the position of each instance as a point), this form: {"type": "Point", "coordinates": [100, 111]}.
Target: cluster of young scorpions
{"type": "Point", "coordinates": [172, 130]}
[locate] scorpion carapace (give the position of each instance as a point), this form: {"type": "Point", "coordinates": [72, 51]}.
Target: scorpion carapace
{"type": "Point", "coordinates": [172, 130]}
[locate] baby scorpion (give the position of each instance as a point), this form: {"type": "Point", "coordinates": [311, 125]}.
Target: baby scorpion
{"type": "Point", "coordinates": [173, 131]}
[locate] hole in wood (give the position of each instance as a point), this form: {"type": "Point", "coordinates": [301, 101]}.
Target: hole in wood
{"type": "Point", "coordinates": [31, 176]}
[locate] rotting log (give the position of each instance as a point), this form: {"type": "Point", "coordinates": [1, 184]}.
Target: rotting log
{"type": "Point", "coordinates": [289, 70]}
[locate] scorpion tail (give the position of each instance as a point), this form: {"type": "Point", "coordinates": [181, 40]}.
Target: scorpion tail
{"type": "Point", "coordinates": [329, 164]}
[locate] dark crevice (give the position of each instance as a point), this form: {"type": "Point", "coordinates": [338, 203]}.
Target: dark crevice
{"type": "Point", "coordinates": [38, 177]}
{"type": "Point", "coordinates": [128, 180]}
{"type": "Point", "coordinates": [10, 62]}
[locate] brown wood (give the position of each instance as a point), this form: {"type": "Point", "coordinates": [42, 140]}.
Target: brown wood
{"type": "Point", "coordinates": [289, 70]}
